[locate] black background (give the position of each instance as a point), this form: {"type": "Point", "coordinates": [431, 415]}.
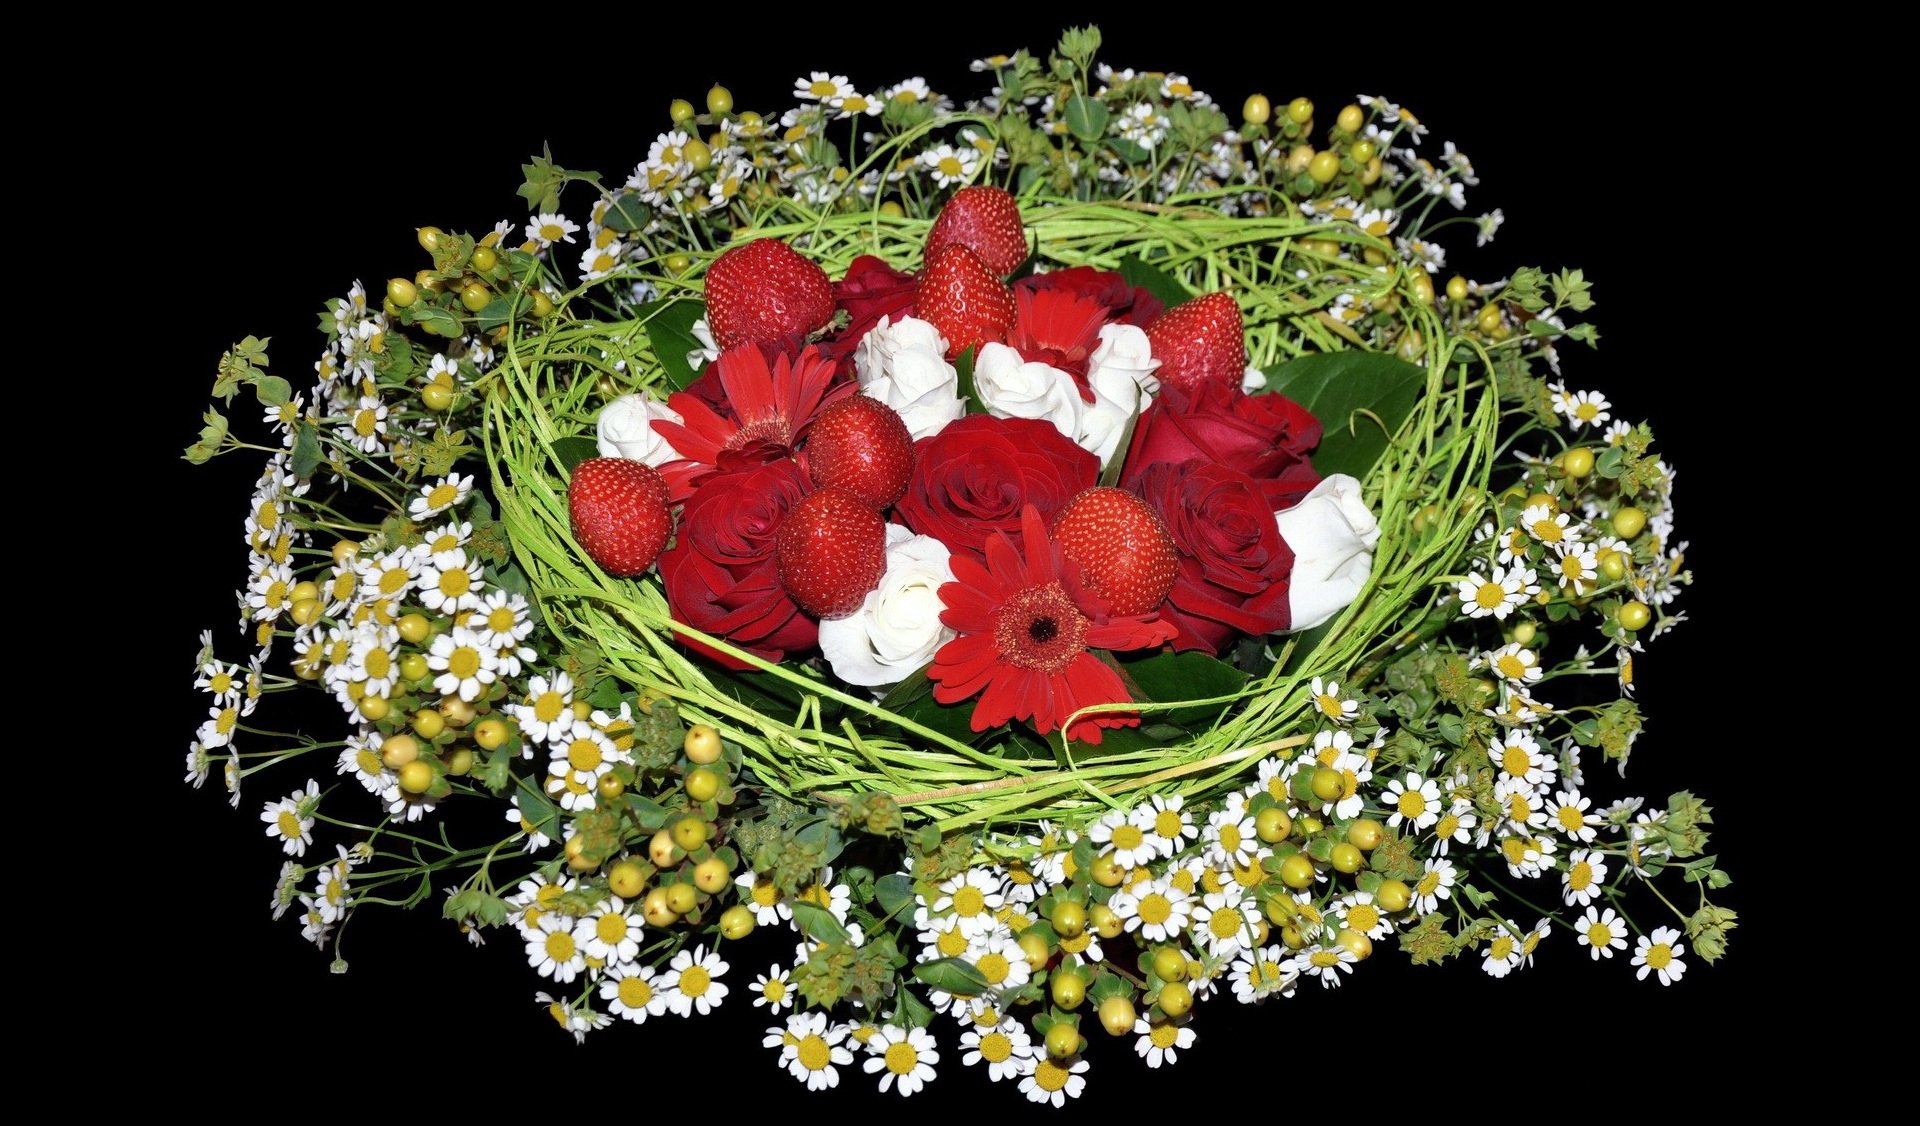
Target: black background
{"type": "Point", "coordinates": [303, 166]}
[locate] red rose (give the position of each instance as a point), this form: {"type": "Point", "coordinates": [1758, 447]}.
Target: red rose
{"type": "Point", "coordinates": [1265, 437]}
{"type": "Point", "coordinates": [971, 479]}
{"type": "Point", "coordinates": [1129, 305]}
{"type": "Point", "coordinates": [1234, 566]}
{"type": "Point", "coordinates": [872, 293]}
{"type": "Point", "coordinates": [720, 573]}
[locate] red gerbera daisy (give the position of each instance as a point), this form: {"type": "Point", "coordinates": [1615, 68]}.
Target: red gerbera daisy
{"type": "Point", "coordinates": [1059, 328]}
{"type": "Point", "coordinates": [772, 404]}
{"type": "Point", "coordinates": [1025, 628]}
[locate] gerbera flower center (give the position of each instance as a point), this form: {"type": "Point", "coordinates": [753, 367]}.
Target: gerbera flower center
{"type": "Point", "coordinates": [1040, 628]}
{"type": "Point", "coordinates": [773, 431]}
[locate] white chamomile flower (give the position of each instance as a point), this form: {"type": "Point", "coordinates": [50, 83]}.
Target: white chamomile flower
{"type": "Point", "coordinates": [609, 932]}
{"type": "Point", "coordinates": [1328, 701]}
{"type": "Point", "coordinates": [950, 166]}
{"type": "Point", "coordinates": [823, 892]}
{"type": "Point", "coordinates": [366, 425]}
{"type": "Point", "coordinates": [972, 897]}
{"type": "Point", "coordinates": [360, 757]}
{"type": "Point", "coordinates": [1168, 828]}
{"type": "Point", "coordinates": [1517, 755]}
{"type": "Point", "coordinates": [1531, 941]}
{"type": "Point", "coordinates": [577, 1020]}
{"type": "Point", "coordinates": [1586, 874]}
{"type": "Point", "coordinates": [1357, 911]}
{"type": "Point", "coordinates": [440, 496]}
{"type": "Point", "coordinates": [629, 992]}
{"type": "Point", "coordinates": [1502, 953]}
{"type": "Point", "coordinates": [535, 838]}
{"type": "Point", "coordinates": [374, 663]}
{"type": "Point", "coordinates": [692, 982]}
{"type": "Point", "coordinates": [1527, 858]}
{"type": "Point", "coordinates": [390, 574]}
{"type": "Point", "coordinates": [1435, 884]}
{"type": "Point", "coordinates": [772, 990]}
{"type": "Point", "coordinates": [222, 681]}
{"type": "Point", "coordinates": [1497, 595]}
{"type": "Point", "coordinates": [1575, 565]}
{"type": "Point", "coordinates": [855, 104]}
{"type": "Point", "coordinates": [579, 759]}
{"type": "Point", "coordinates": [1129, 843]}
{"type": "Point", "coordinates": [1223, 922]}
{"type": "Point", "coordinates": [1570, 812]}
{"type": "Point", "coordinates": [450, 582]}
{"type": "Point", "coordinates": [199, 764]}
{"type": "Point", "coordinates": [291, 819]}
{"type": "Point", "coordinates": [1414, 801]}
{"type": "Point", "coordinates": [547, 715]}
{"type": "Point", "coordinates": [820, 86]}
{"type": "Point", "coordinates": [998, 958]}
{"type": "Point", "coordinates": [812, 1050]}
{"type": "Point", "coordinates": [331, 884]}
{"type": "Point", "coordinates": [1602, 932]}
{"type": "Point", "coordinates": [1161, 1043]}
{"type": "Point", "coordinates": [597, 261]}
{"type": "Point", "coordinates": [503, 620]}
{"type": "Point", "coordinates": [1546, 525]}
{"type": "Point", "coordinates": [1660, 953]}
{"type": "Point", "coordinates": [286, 888]}
{"type": "Point", "coordinates": [1487, 225]}
{"type": "Point", "coordinates": [1005, 1048]}
{"type": "Point", "coordinates": [547, 228]}
{"type": "Point", "coordinates": [1231, 838]}
{"type": "Point", "coordinates": [1262, 973]}
{"type": "Point", "coordinates": [1054, 1081]}
{"type": "Point", "coordinates": [762, 897]}
{"type": "Point", "coordinates": [1586, 408]}
{"type": "Point", "coordinates": [1515, 663]}
{"type": "Point", "coordinates": [1157, 908]}
{"type": "Point", "coordinates": [552, 950]}
{"type": "Point", "coordinates": [902, 1057]}
{"type": "Point", "coordinates": [464, 665]}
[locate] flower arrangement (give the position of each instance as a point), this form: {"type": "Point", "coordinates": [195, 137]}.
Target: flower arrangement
{"type": "Point", "coordinates": [1063, 557]}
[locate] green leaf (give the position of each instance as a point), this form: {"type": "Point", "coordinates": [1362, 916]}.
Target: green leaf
{"type": "Point", "coordinates": [434, 320]}
{"type": "Point", "coordinates": [1361, 398]}
{"type": "Point", "coordinates": [818, 923]}
{"type": "Point", "coordinates": [913, 699]}
{"type": "Point", "coordinates": [306, 450]}
{"type": "Point", "coordinates": [825, 836]}
{"type": "Point", "coordinates": [647, 813]}
{"type": "Point", "coordinates": [211, 436]}
{"type": "Point", "coordinates": [1087, 117]}
{"type": "Point", "coordinates": [538, 811]}
{"type": "Point", "coordinates": [910, 1011]}
{"type": "Point", "coordinates": [963, 366]}
{"type": "Point", "coordinates": [1139, 272]}
{"type": "Point", "coordinates": [625, 212]}
{"type": "Point", "coordinates": [272, 391]}
{"type": "Point", "coordinates": [895, 893]}
{"type": "Point", "coordinates": [497, 312]}
{"type": "Point", "coordinates": [571, 451]}
{"type": "Point", "coordinates": [670, 328]}
{"type": "Point", "coordinates": [1129, 151]}
{"type": "Point", "coordinates": [952, 975]}
{"type": "Point", "coordinates": [1169, 677]}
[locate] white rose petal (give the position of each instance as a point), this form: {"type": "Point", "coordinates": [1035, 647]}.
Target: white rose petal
{"type": "Point", "coordinates": [1121, 374]}
{"type": "Point", "coordinates": [626, 430]}
{"type": "Point", "coordinates": [1332, 535]}
{"type": "Point", "coordinates": [904, 365]}
{"type": "Point", "coordinates": [1252, 380]}
{"type": "Point", "coordinates": [709, 349]}
{"type": "Point", "coordinates": [897, 628]}
{"type": "Point", "coordinates": [1011, 387]}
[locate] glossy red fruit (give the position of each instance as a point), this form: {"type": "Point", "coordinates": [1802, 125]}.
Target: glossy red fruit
{"type": "Point", "coordinates": [766, 293]}
{"type": "Point", "coordinates": [619, 513]}
{"type": "Point", "coordinates": [1200, 342]}
{"type": "Point", "coordinates": [830, 551]}
{"type": "Point", "coordinates": [1125, 553]}
{"type": "Point", "coordinates": [985, 220]}
{"type": "Point", "coordinates": [861, 445]}
{"type": "Point", "coordinates": [964, 299]}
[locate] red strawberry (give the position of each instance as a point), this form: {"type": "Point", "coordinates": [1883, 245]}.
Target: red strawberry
{"type": "Point", "coordinates": [986, 221]}
{"type": "Point", "coordinates": [619, 513]}
{"type": "Point", "coordinates": [1123, 550]}
{"type": "Point", "coordinates": [965, 300]}
{"type": "Point", "coordinates": [861, 445]}
{"type": "Point", "coordinates": [830, 550]}
{"type": "Point", "coordinates": [1200, 342]}
{"type": "Point", "coordinates": [766, 293]}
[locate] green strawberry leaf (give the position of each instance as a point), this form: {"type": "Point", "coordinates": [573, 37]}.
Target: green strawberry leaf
{"type": "Point", "coordinates": [670, 328]}
{"type": "Point", "coordinates": [1361, 398]}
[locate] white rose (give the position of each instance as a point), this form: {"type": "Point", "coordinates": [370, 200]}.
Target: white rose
{"type": "Point", "coordinates": [1121, 374]}
{"type": "Point", "coordinates": [709, 349]}
{"type": "Point", "coordinates": [1332, 535]}
{"type": "Point", "coordinates": [626, 430]}
{"type": "Point", "coordinates": [897, 628]}
{"type": "Point", "coordinates": [904, 365]}
{"type": "Point", "coordinates": [1011, 387]}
